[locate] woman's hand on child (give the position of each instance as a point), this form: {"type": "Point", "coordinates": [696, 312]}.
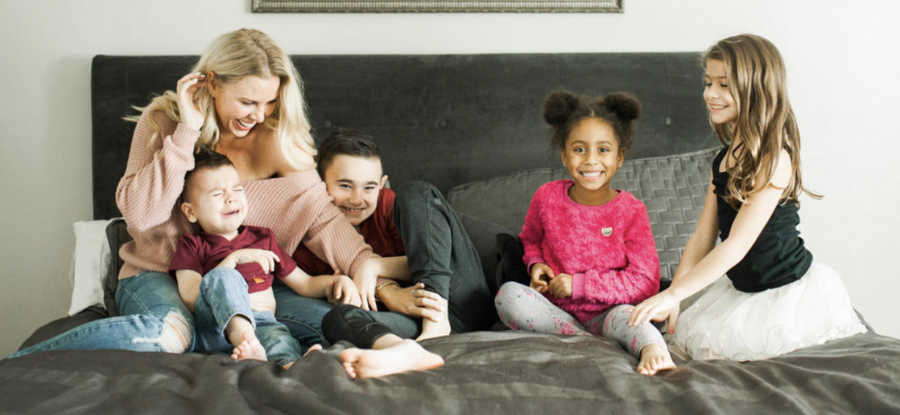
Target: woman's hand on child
{"type": "Point", "coordinates": [660, 307]}
{"type": "Point", "coordinates": [365, 281]}
{"type": "Point", "coordinates": [413, 301]}
{"type": "Point", "coordinates": [266, 259]}
{"type": "Point", "coordinates": [541, 275]}
{"type": "Point", "coordinates": [186, 88]}
{"type": "Point", "coordinates": [561, 286]}
{"type": "Point", "coordinates": [343, 291]}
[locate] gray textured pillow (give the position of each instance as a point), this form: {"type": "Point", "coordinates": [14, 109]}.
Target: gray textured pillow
{"type": "Point", "coordinates": [672, 187]}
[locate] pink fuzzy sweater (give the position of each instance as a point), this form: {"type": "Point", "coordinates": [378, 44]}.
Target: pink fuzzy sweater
{"type": "Point", "coordinates": [296, 207]}
{"type": "Point", "coordinates": [608, 249]}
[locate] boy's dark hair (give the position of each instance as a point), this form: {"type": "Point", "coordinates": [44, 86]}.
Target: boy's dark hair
{"type": "Point", "coordinates": [205, 158]}
{"type": "Point", "coordinates": [345, 141]}
{"type": "Point", "coordinates": [563, 110]}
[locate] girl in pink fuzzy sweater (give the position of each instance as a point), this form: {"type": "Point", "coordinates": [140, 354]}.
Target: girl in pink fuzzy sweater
{"type": "Point", "coordinates": [588, 247]}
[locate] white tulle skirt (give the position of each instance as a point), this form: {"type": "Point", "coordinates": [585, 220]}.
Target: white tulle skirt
{"type": "Point", "coordinates": [725, 323]}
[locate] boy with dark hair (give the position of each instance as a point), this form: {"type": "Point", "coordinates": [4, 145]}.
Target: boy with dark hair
{"type": "Point", "coordinates": [422, 241]}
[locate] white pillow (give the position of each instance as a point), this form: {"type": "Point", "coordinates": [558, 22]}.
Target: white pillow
{"type": "Point", "coordinates": [89, 264]}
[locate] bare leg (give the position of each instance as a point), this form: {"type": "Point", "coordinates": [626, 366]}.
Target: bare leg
{"type": "Point", "coordinates": [241, 334]}
{"type": "Point", "coordinates": [389, 355]}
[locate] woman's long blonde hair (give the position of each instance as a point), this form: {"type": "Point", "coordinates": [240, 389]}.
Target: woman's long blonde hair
{"type": "Point", "coordinates": [231, 57]}
{"type": "Point", "coordinates": [765, 122]}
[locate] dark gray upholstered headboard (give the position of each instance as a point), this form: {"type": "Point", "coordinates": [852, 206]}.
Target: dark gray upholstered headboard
{"type": "Point", "coordinates": [446, 119]}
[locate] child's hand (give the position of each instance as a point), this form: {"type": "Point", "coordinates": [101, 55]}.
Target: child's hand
{"type": "Point", "coordinates": [660, 307]}
{"type": "Point", "coordinates": [541, 274]}
{"type": "Point", "coordinates": [343, 291]}
{"type": "Point", "coordinates": [561, 286]}
{"type": "Point", "coordinates": [265, 259]}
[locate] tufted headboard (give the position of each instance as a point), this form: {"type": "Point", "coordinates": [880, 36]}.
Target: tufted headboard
{"type": "Point", "coordinates": [446, 119]}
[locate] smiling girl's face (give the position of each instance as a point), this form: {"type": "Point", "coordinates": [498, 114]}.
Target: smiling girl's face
{"type": "Point", "coordinates": [719, 102]}
{"type": "Point", "coordinates": [592, 157]}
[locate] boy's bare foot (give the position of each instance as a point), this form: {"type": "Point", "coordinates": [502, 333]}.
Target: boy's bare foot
{"type": "Point", "coordinates": [401, 357]}
{"type": "Point", "coordinates": [250, 348]}
{"type": "Point", "coordinates": [432, 328]}
{"type": "Point", "coordinates": [653, 359]}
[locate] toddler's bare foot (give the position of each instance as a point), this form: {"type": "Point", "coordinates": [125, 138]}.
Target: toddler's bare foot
{"type": "Point", "coordinates": [654, 358]}
{"type": "Point", "coordinates": [404, 356]}
{"type": "Point", "coordinates": [314, 348]}
{"type": "Point", "coordinates": [250, 348]}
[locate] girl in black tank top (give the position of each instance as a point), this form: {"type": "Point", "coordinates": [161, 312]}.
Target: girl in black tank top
{"type": "Point", "coordinates": [775, 299]}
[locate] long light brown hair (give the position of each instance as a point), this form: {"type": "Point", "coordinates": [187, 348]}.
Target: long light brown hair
{"type": "Point", "coordinates": [765, 122]}
{"type": "Point", "coordinates": [233, 56]}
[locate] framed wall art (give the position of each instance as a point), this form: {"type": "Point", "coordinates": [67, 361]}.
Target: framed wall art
{"type": "Point", "coordinates": [437, 6]}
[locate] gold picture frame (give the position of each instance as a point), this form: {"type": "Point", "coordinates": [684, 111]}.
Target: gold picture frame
{"type": "Point", "coordinates": [437, 6]}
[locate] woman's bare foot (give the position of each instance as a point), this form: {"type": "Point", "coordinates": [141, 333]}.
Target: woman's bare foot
{"type": "Point", "coordinates": [401, 357]}
{"type": "Point", "coordinates": [653, 359]}
{"type": "Point", "coordinates": [250, 348]}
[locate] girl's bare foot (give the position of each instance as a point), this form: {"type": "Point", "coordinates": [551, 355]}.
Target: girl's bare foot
{"type": "Point", "coordinates": [401, 357]}
{"type": "Point", "coordinates": [653, 359]}
{"type": "Point", "coordinates": [250, 348]}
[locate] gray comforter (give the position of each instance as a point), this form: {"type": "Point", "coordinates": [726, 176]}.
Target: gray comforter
{"type": "Point", "coordinates": [486, 372]}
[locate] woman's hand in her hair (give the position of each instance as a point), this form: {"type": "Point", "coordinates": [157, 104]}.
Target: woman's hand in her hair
{"type": "Point", "coordinates": [187, 108]}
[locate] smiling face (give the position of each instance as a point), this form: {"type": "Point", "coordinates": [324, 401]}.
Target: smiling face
{"type": "Point", "coordinates": [719, 102]}
{"type": "Point", "coordinates": [592, 157]}
{"type": "Point", "coordinates": [244, 103]}
{"type": "Point", "coordinates": [215, 199]}
{"type": "Point", "coordinates": [354, 183]}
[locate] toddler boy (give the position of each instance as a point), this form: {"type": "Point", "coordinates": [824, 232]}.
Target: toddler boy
{"type": "Point", "coordinates": [225, 270]}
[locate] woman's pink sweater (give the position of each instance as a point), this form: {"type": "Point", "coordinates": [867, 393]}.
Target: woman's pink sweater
{"type": "Point", "coordinates": [608, 249]}
{"type": "Point", "coordinates": [295, 207]}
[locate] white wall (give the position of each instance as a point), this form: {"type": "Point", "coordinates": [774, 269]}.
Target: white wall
{"type": "Point", "coordinates": [843, 76]}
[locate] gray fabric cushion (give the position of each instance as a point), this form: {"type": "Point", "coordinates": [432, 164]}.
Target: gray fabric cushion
{"type": "Point", "coordinates": [672, 187]}
{"type": "Point", "coordinates": [484, 237]}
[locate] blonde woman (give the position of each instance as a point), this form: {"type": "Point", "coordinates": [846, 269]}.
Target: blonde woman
{"type": "Point", "coordinates": [775, 298]}
{"type": "Point", "coordinates": [243, 99]}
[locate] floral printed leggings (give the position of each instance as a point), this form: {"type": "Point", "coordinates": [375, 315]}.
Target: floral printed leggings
{"type": "Point", "coordinates": [523, 308]}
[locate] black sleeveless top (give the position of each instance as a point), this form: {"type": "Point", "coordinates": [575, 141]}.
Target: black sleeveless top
{"type": "Point", "coordinates": [778, 256]}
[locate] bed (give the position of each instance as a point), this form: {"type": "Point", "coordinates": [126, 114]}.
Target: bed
{"type": "Point", "coordinates": [470, 124]}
